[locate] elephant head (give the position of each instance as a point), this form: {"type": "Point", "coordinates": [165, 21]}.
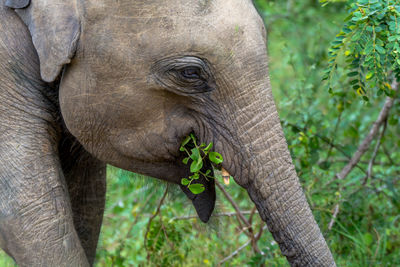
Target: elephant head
{"type": "Point", "coordinates": [142, 75]}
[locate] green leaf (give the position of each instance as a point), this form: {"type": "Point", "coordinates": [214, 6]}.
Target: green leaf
{"type": "Point", "coordinates": [356, 36]}
{"type": "Point", "coordinates": [353, 82]}
{"type": "Point", "coordinates": [369, 47]}
{"type": "Point", "coordinates": [346, 30]}
{"type": "Point", "coordinates": [210, 145]}
{"type": "Point", "coordinates": [195, 154]}
{"type": "Point", "coordinates": [215, 157]}
{"type": "Point", "coordinates": [185, 160]}
{"type": "Point", "coordinates": [195, 176]}
{"type": "Point", "coordinates": [352, 74]}
{"type": "Point", "coordinates": [185, 141]}
{"type": "Point", "coordinates": [380, 49]}
{"type": "Point", "coordinates": [196, 165]}
{"type": "Point", "coordinates": [185, 181]}
{"type": "Point", "coordinates": [196, 188]}
{"type": "Point", "coordinates": [369, 75]}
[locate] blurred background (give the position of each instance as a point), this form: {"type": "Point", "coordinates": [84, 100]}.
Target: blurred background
{"type": "Point", "coordinates": [358, 215]}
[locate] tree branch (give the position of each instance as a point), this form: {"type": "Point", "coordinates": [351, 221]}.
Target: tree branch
{"type": "Point", "coordinates": [378, 144]}
{"type": "Point", "coordinates": [233, 203]}
{"type": "Point", "coordinates": [241, 216]}
{"type": "Point", "coordinates": [223, 214]}
{"type": "Point", "coordinates": [155, 215]}
{"type": "Point", "coordinates": [368, 139]}
{"type": "Point", "coordinates": [233, 254]}
{"type": "Point", "coordinates": [363, 147]}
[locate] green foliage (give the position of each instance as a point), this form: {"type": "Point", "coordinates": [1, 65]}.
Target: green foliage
{"type": "Point", "coordinates": [165, 245]}
{"type": "Point", "coordinates": [369, 43]}
{"type": "Point", "coordinates": [197, 154]}
{"type": "Point", "coordinates": [172, 240]}
{"type": "Point", "coordinates": [322, 131]}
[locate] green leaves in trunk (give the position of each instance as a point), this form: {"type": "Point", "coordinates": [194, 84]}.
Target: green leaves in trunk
{"type": "Point", "coordinates": [197, 154]}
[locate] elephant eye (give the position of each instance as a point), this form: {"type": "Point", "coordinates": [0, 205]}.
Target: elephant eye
{"type": "Point", "coordinates": [185, 75]}
{"type": "Point", "coordinates": [191, 73]}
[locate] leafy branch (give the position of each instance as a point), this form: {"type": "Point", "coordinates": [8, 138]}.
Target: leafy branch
{"type": "Point", "coordinates": [197, 154]}
{"type": "Point", "coordinates": [369, 42]}
{"type": "Point", "coordinates": [363, 147]}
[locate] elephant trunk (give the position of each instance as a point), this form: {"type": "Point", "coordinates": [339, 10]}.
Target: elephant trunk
{"type": "Point", "coordinates": [275, 189]}
{"type": "Point", "coordinates": [262, 165]}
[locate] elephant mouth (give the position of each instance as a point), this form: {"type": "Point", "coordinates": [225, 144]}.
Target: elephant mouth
{"type": "Point", "coordinates": [204, 202]}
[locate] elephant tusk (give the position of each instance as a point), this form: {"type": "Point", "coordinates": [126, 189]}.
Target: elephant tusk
{"type": "Point", "coordinates": [226, 176]}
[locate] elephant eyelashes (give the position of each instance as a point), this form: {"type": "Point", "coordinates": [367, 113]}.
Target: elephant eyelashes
{"type": "Point", "coordinates": [185, 75]}
{"type": "Point", "coordinates": [191, 73]}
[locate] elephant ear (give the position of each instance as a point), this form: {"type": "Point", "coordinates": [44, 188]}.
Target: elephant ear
{"type": "Point", "coordinates": [55, 29]}
{"type": "Point", "coordinates": [17, 3]}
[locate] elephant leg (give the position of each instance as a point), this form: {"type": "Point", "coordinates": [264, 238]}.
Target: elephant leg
{"type": "Point", "coordinates": [86, 181]}
{"type": "Point", "coordinates": [36, 223]}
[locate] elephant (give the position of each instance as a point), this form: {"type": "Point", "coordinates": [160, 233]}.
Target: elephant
{"type": "Point", "coordinates": [87, 83]}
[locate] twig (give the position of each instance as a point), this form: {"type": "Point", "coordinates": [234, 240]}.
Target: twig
{"type": "Point", "coordinates": [364, 146]}
{"type": "Point", "coordinates": [262, 228]}
{"type": "Point", "coordinates": [233, 203]}
{"type": "Point", "coordinates": [165, 233]}
{"type": "Point", "coordinates": [155, 215]}
{"type": "Point", "coordinates": [377, 247]}
{"type": "Point", "coordinates": [335, 134]}
{"type": "Point", "coordinates": [341, 160]}
{"type": "Point", "coordinates": [253, 211]}
{"type": "Point", "coordinates": [368, 139]}
{"type": "Point", "coordinates": [241, 216]}
{"type": "Point", "coordinates": [328, 142]}
{"type": "Point", "coordinates": [233, 254]}
{"type": "Point", "coordinates": [322, 138]}
{"type": "Point", "coordinates": [334, 215]}
{"type": "Point", "coordinates": [378, 144]}
{"type": "Point", "coordinates": [242, 228]}
{"type": "Point", "coordinates": [223, 214]}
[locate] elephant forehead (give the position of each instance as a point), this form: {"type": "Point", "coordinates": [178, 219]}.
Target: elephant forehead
{"type": "Point", "coordinates": [149, 8]}
{"type": "Point", "coordinates": [143, 31]}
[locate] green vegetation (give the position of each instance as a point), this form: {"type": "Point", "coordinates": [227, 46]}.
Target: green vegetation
{"type": "Point", "coordinates": [175, 237]}
{"type": "Point", "coordinates": [369, 40]}
{"type": "Point", "coordinates": [197, 153]}
{"type": "Point", "coordinates": [149, 224]}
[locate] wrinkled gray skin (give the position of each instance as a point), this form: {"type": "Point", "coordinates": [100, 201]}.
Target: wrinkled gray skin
{"type": "Point", "coordinates": [123, 82]}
